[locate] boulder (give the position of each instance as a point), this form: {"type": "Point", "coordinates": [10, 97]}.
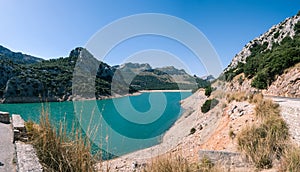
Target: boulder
{"type": "Point", "coordinates": [4, 117]}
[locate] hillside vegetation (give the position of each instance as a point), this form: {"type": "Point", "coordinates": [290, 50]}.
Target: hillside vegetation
{"type": "Point", "coordinates": [265, 63]}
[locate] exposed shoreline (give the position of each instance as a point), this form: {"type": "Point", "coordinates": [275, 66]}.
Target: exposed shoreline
{"type": "Point", "coordinates": [154, 91]}
{"type": "Point", "coordinates": [16, 100]}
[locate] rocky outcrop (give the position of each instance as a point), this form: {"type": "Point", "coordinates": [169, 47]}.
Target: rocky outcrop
{"type": "Point", "coordinates": [275, 35]}
{"type": "Point", "coordinates": [238, 84]}
{"type": "Point", "coordinates": [287, 84]}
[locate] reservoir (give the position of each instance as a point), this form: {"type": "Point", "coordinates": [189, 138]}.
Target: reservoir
{"type": "Point", "coordinates": [117, 126]}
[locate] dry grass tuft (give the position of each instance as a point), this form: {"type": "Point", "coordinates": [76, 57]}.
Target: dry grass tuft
{"type": "Point", "coordinates": [237, 96]}
{"type": "Point", "coordinates": [243, 96]}
{"type": "Point", "coordinates": [267, 108]}
{"type": "Point", "coordinates": [265, 142]}
{"type": "Point", "coordinates": [268, 140]}
{"type": "Point", "coordinates": [218, 94]}
{"type": "Point", "coordinates": [291, 159]}
{"type": "Point", "coordinates": [179, 164]}
{"type": "Point", "coordinates": [256, 98]}
{"type": "Point", "coordinates": [56, 150]}
{"type": "Point", "coordinates": [168, 164]}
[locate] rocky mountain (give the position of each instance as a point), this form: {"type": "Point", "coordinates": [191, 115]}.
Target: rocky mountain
{"type": "Point", "coordinates": [18, 57]}
{"type": "Point", "coordinates": [269, 62]}
{"type": "Point", "coordinates": [275, 35]}
{"type": "Point", "coordinates": [208, 78]}
{"type": "Point", "coordinates": [81, 75]}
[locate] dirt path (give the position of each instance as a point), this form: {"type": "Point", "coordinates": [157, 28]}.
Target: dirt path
{"type": "Point", "coordinates": [7, 148]}
{"type": "Point", "coordinates": [290, 110]}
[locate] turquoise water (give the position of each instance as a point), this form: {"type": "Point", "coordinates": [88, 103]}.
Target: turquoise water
{"type": "Point", "coordinates": [117, 126]}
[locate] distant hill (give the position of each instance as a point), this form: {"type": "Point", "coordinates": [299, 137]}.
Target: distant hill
{"type": "Point", "coordinates": [144, 77]}
{"type": "Point", "coordinates": [18, 57]}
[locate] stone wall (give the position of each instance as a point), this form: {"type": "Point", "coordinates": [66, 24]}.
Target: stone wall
{"type": "Point", "coordinates": [26, 156]}
{"type": "Point", "coordinates": [27, 159]}
{"type": "Point", "coordinates": [230, 160]}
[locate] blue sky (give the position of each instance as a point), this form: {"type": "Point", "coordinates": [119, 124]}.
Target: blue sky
{"type": "Point", "coordinates": [51, 28]}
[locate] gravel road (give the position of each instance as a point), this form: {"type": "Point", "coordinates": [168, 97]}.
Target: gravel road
{"type": "Point", "coordinates": [290, 111]}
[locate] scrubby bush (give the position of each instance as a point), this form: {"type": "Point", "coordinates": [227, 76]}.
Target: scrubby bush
{"type": "Point", "coordinates": [208, 90]}
{"type": "Point", "coordinates": [209, 104]}
{"type": "Point", "coordinates": [192, 131]}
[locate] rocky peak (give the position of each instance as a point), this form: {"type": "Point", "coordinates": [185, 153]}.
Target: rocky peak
{"type": "Point", "coordinates": [209, 78]}
{"type": "Point", "coordinates": [274, 35]}
{"type": "Point", "coordinates": [171, 70]}
{"type": "Point", "coordinates": [76, 52]}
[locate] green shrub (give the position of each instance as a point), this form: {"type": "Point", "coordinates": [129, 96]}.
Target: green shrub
{"type": "Point", "coordinates": [192, 131]}
{"type": "Point", "coordinates": [240, 80]}
{"type": "Point", "coordinates": [208, 91]}
{"type": "Point", "coordinates": [209, 104]}
{"type": "Point", "coordinates": [276, 35]}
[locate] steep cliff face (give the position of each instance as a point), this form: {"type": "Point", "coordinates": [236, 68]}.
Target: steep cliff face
{"type": "Point", "coordinates": [273, 36]}
{"type": "Point", "coordinates": [287, 84]}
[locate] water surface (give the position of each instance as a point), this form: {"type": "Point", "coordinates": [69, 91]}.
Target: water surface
{"type": "Point", "coordinates": [118, 126]}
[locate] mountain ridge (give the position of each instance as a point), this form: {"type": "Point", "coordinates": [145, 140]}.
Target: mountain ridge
{"type": "Point", "coordinates": [52, 80]}
{"type": "Point", "coordinates": [18, 57]}
{"type": "Point", "coordinates": [275, 34]}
